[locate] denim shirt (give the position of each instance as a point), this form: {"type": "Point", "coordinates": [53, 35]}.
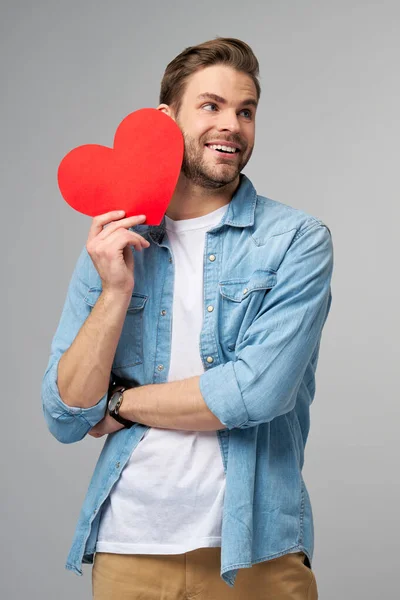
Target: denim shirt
{"type": "Point", "coordinates": [267, 274]}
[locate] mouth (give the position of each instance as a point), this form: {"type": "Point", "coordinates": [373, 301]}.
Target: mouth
{"type": "Point", "coordinates": [228, 152]}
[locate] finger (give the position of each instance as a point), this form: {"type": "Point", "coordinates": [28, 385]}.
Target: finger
{"type": "Point", "coordinates": [120, 223]}
{"type": "Point", "coordinates": [101, 220]}
{"type": "Point", "coordinates": [113, 230]}
{"type": "Point", "coordinates": [122, 238]}
{"type": "Point", "coordinates": [143, 240]}
{"type": "Point", "coordinates": [95, 434]}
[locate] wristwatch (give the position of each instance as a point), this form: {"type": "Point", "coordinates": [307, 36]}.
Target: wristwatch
{"type": "Point", "coordinates": [114, 404]}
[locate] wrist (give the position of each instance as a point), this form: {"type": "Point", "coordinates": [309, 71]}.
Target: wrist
{"type": "Point", "coordinates": [125, 410]}
{"type": "Point", "coordinates": [115, 405]}
{"type": "Point", "coordinates": [117, 297]}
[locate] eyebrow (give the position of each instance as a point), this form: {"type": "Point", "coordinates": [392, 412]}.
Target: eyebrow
{"type": "Point", "coordinates": [209, 96]}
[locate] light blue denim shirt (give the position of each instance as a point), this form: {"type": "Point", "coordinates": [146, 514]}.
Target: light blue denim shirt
{"type": "Point", "coordinates": [267, 273]}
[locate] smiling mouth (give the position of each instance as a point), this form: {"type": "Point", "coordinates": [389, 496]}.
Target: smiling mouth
{"type": "Point", "coordinates": [224, 153]}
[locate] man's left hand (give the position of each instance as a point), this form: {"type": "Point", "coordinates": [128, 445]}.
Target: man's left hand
{"type": "Point", "coordinates": [106, 425]}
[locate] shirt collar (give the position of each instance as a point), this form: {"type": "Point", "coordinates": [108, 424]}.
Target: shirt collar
{"type": "Point", "coordinates": [240, 211]}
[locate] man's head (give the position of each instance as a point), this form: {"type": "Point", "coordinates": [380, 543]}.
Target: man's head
{"type": "Point", "coordinates": [212, 92]}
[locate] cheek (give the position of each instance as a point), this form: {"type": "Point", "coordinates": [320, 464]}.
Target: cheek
{"type": "Point", "coordinates": [250, 143]}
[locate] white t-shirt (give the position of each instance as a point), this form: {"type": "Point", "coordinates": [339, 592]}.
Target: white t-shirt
{"type": "Point", "coordinates": [169, 497]}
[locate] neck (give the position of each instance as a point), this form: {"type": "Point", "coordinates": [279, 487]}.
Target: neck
{"type": "Point", "coordinates": [191, 200]}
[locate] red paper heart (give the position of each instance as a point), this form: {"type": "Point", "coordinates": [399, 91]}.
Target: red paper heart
{"type": "Point", "coordinates": [138, 175]}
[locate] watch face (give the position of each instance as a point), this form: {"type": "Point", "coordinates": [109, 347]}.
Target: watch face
{"type": "Point", "coordinates": [115, 401]}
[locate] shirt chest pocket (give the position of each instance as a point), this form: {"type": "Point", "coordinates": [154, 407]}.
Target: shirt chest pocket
{"type": "Point", "coordinates": [129, 351]}
{"type": "Point", "coordinates": [240, 302]}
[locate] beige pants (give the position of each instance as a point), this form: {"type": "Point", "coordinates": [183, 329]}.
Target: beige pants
{"type": "Point", "coordinates": [196, 576]}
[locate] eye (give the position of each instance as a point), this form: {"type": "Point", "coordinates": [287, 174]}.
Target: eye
{"type": "Point", "coordinates": [249, 113]}
{"type": "Point", "coordinates": [210, 104]}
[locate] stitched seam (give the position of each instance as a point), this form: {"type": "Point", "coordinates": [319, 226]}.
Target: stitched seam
{"type": "Point", "coordinates": [266, 557]}
{"type": "Point", "coordinates": [85, 420]}
{"type": "Point", "coordinates": [313, 225]}
{"type": "Point", "coordinates": [158, 322]}
{"type": "Point", "coordinates": [258, 241]}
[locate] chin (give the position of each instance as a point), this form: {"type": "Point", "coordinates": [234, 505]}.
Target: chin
{"type": "Point", "coordinates": [221, 180]}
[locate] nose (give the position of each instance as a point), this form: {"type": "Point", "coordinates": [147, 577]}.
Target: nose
{"type": "Point", "coordinates": [228, 121]}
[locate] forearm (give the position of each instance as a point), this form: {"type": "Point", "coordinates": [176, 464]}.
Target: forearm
{"type": "Point", "coordinates": [84, 369]}
{"type": "Point", "coordinates": [173, 405]}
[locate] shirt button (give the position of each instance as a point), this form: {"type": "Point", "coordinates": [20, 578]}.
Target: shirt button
{"type": "Point", "coordinates": [117, 465]}
{"type": "Point", "coordinates": [170, 259]}
{"type": "Point", "coordinates": [212, 257]}
{"type": "Point", "coordinates": [245, 290]}
{"type": "Point", "coordinates": [160, 367]}
{"type": "Point", "coordinates": [210, 359]}
{"type": "Point", "coordinates": [210, 308]}
{"type": "Point", "coordinates": [163, 312]}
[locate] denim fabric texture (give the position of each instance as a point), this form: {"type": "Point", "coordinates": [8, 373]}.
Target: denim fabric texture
{"type": "Point", "coordinates": [267, 273]}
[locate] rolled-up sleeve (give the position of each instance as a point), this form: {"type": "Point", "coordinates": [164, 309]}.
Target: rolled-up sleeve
{"type": "Point", "coordinates": [67, 423]}
{"type": "Point", "coordinates": [264, 379]}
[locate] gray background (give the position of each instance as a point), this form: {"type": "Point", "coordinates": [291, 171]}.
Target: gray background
{"type": "Point", "coordinates": [327, 142]}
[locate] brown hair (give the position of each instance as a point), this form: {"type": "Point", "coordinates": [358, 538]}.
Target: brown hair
{"type": "Point", "coordinates": [229, 51]}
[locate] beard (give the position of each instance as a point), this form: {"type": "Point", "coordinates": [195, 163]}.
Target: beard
{"type": "Point", "coordinates": [205, 174]}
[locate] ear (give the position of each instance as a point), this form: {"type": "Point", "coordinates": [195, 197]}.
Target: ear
{"type": "Point", "coordinates": [167, 110]}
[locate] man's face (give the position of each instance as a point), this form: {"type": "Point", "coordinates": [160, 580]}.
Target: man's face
{"type": "Point", "coordinates": [218, 108]}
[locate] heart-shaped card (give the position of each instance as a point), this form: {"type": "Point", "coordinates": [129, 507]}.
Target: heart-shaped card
{"type": "Point", "coordinates": [138, 175]}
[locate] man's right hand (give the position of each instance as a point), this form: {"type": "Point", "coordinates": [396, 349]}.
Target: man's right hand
{"type": "Point", "coordinates": [108, 245]}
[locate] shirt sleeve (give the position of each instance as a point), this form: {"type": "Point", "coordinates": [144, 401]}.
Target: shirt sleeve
{"type": "Point", "coordinates": [264, 379]}
{"type": "Point", "coordinates": [67, 423]}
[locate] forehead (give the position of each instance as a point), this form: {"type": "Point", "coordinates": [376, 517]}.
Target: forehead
{"type": "Point", "coordinates": [221, 80]}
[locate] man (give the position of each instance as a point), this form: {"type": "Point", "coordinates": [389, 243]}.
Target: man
{"type": "Point", "coordinates": [196, 352]}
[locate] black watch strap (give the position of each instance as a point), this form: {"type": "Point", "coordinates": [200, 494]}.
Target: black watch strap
{"type": "Point", "coordinates": [117, 416]}
{"type": "Point", "coordinates": [128, 424]}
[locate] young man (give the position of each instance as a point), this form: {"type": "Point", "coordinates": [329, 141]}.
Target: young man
{"type": "Point", "coordinates": [196, 352]}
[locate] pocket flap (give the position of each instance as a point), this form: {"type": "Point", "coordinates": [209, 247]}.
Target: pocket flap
{"type": "Point", "coordinates": [137, 300]}
{"type": "Point", "coordinates": [239, 289]}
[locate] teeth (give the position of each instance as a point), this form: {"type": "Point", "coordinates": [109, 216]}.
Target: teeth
{"type": "Point", "coordinates": [224, 148]}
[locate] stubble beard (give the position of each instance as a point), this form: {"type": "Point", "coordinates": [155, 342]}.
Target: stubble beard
{"type": "Point", "coordinates": [201, 173]}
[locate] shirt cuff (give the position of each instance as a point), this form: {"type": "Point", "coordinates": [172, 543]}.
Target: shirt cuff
{"type": "Point", "coordinates": [221, 393]}
{"type": "Point", "coordinates": [57, 408]}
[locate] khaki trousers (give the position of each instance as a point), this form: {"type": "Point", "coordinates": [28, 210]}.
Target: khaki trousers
{"type": "Point", "coordinates": [195, 575]}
